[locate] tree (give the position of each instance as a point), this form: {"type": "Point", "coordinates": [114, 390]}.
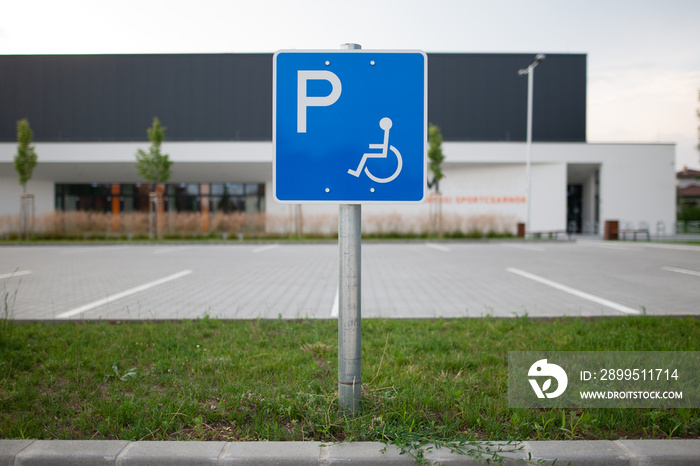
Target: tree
{"type": "Point", "coordinates": [26, 158]}
{"type": "Point", "coordinates": [436, 157]}
{"type": "Point", "coordinates": [25, 161]}
{"type": "Point", "coordinates": [154, 167]}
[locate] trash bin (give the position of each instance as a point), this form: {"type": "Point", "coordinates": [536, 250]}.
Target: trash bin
{"type": "Point", "coordinates": [611, 229]}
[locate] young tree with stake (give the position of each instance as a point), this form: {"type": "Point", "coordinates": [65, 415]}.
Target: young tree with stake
{"type": "Point", "coordinates": [152, 165]}
{"type": "Point", "coordinates": [155, 168]}
{"type": "Point", "coordinates": [435, 157]}
{"type": "Point", "coordinates": [26, 158]}
{"type": "Point", "coordinates": [25, 161]}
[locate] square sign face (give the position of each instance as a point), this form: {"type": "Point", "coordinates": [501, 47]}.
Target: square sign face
{"type": "Point", "coordinates": [349, 127]}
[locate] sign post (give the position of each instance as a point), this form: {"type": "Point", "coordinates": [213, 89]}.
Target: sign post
{"type": "Point", "coordinates": [350, 302]}
{"type": "Point", "coordinates": [349, 128]}
{"type": "Point", "coordinates": [349, 307]}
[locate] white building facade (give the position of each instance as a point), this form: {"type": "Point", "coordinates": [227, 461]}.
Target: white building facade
{"type": "Point", "coordinates": [484, 182]}
{"type": "Point", "coordinates": [90, 113]}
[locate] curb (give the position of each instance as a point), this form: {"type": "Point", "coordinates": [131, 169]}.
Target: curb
{"type": "Point", "coordinates": [123, 453]}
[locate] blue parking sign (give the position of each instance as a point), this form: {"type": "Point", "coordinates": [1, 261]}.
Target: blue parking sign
{"type": "Point", "coordinates": [349, 127]}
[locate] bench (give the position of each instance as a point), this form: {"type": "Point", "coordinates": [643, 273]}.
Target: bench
{"type": "Point", "coordinates": [640, 231]}
{"type": "Point", "coordinates": [551, 234]}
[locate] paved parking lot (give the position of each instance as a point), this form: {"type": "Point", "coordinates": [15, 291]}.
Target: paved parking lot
{"type": "Point", "coordinates": [416, 279]}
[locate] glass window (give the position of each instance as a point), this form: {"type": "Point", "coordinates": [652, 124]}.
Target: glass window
{"type": "Point", "coordinates": [234, 189]}
{"type": "Point", "coordinates": [181, 197]}
{"type": "Point", "coordinates": [140, 197]}
{"type": "Point", "coordinates": [92, 197]}
{"type": "Point", "coordinates": [127, 198]}
{"type": "Point", "coordinates": [217, 189]}
{"type": "Point", "coordinates": [186, 197]}
{"type": "Point", "coordinates": [193, 189]}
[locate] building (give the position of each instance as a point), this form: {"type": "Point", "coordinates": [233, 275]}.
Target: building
{"type": "Point", "coordinates": [89, 114]}
{"type": "Point", "coordinates": [688, 187]}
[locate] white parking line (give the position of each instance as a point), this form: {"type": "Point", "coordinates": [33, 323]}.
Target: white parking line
{"type": "Point", "coordinates": [677, 270]}
{"type": "Point", "coordinates": [265, 248]}
{"type": "Point", "coordinates": [15, 274]}
{"type": "Point", "coordinates": [438, 247]}
{"type": "Point", "coordinates": [336, 304]}
{"type": "Point", "coordinates": [631, 246]}
{"type": "Point", "coordinates": [599, 244]}
{"type": "Point", "coordinates": [575, 292]}
{"type": "Point", "coordinates": [93, 249]}
{"type": "Point", "coordinates": [677, 247]}
{"type": "Point", "coordinates": [526, 247]}
{"type": "Point", "coordinates": [174, 249]}
{"type": "Point", "coordinates": [123, 294]}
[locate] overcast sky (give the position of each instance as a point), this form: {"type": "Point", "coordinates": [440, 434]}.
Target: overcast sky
{"type": "Point", "coordinates": [643, 55]}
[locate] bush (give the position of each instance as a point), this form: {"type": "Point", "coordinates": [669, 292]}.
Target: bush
{"type": "Point", "coordinates": [689, 213]}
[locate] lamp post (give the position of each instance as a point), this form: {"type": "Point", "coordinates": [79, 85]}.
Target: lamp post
{"type": "Point", "coordinates": [530, 72]}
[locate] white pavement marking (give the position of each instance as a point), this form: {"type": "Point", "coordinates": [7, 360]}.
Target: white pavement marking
{"type": "Point", "coordinates": [123, 294]}
{"type": "Point", "coordinates": [598, 244]}
{"type": "Point", "coordinates": [174, 249]}
{"type": "Point", "coordinates": [265, 248]}
{"type": "Point", "coordinates": [15, 274]}
{"type": "Point", "coordinates": [575, 292]}
{"type": "Point", "coordinates": [674, 269]}
{"type": "Point", "coordinates": [524, 246]}
{"type": "Point", "coordinates": [94, 249]}
{"type": "Point", "coordinates": [336, 304]}
{"type": "Point", "coordinates": [631, 246]}
{"type": "Point", "coordinates": [678, 247]}
{"type": "Point", "coordinates": [438, 247]}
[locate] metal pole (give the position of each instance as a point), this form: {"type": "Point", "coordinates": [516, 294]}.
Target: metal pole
{"type": "Point", "coordinates": [528, 157]}
{"type": "Point", "coordinates": [530, 72]}
{"type": "Point", "coordinates": [349, 297]}
{"type": "Point", "coordinates": [349, 310]}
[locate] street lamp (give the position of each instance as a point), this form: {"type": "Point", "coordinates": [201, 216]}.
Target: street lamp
{"type": "Point", "coordinates": [530, 72]}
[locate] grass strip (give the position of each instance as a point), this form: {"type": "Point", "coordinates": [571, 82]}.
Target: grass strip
{"type": "Point", "coordinates": [443, 380]}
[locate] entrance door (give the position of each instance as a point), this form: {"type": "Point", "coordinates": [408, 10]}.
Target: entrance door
{"type": "Point", "coordinates": [574, 208]}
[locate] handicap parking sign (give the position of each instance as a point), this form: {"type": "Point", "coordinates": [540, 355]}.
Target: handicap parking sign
{"type": "Point", "coordinates": [349, 126]}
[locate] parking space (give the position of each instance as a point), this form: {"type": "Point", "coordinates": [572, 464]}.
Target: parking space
{"type": "Point", "coordinates": [399, 280]}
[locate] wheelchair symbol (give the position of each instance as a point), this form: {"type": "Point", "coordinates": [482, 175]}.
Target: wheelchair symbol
{"type": "Point", "coordinates": [385, 124]}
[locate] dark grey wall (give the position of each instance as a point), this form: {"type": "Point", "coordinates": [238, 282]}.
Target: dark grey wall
{"type": "Point", "coordinates": [481, 97]}
{"type": "Point", "coordinates": [115, 97]}
{"type": "Point", "coordinates": [204, 97]}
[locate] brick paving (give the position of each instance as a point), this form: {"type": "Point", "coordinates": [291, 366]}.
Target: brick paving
{"type": "Point", "coordinates": [399, 280]}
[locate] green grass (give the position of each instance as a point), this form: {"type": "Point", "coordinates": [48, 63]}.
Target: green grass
{"type": "Point", "coordinates": [437, 380]}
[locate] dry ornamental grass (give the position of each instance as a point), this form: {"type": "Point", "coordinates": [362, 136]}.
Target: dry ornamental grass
{"type": "Point", "coordinates": [84, 225]}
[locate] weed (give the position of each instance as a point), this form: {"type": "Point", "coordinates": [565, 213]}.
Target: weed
{"type": "Point", "coordinates": [542, 427]}
{"type": "Point", "coordinates": [570, 431]}
{"type": "Point", "coordinates": [9, 298]}
{"type": "Point", "coordinates": [123, 377]}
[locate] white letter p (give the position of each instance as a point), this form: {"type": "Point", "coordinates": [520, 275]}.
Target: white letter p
{"type": "Point", "coordinates": [304, 100]}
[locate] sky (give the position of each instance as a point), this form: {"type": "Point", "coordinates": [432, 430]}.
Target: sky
{"type": "Point", "coordinates": [643, 55]}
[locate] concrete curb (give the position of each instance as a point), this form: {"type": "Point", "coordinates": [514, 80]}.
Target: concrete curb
{"type": "Point", "coordinates": [124, 453]}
